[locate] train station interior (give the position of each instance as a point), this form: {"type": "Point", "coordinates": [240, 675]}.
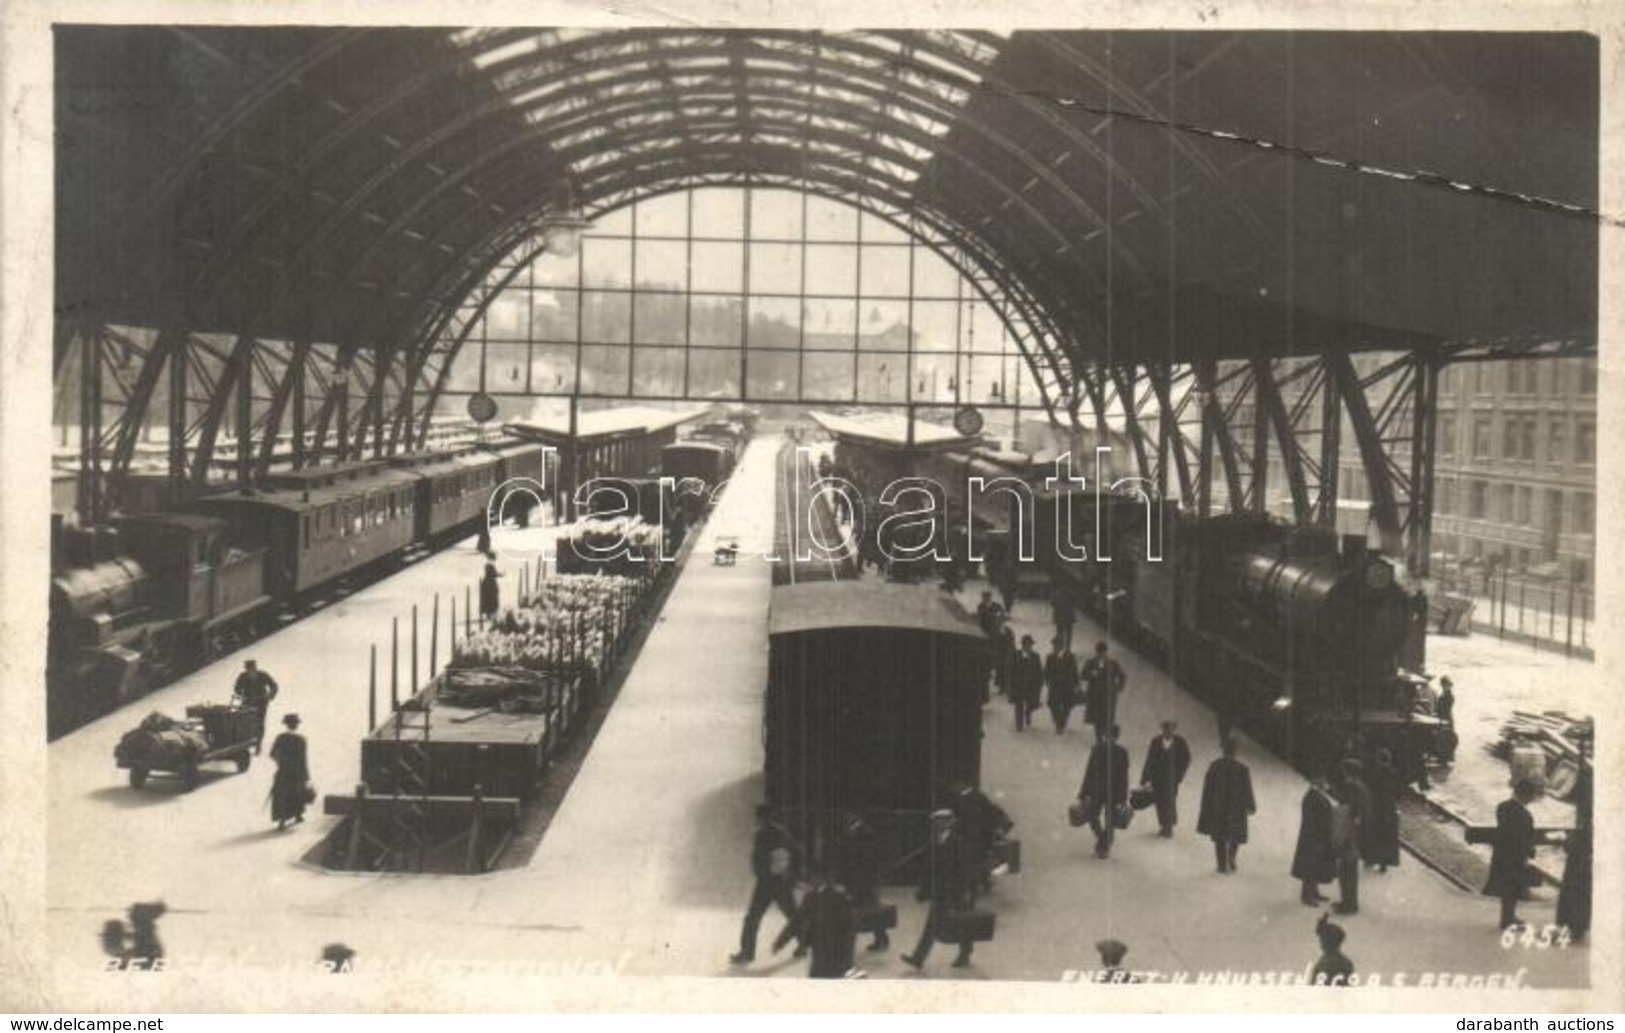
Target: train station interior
{"type": "Point", "coordinates": [530, 408]}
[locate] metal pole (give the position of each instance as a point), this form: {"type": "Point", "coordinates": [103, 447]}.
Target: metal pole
{"type": "Point", "coordinates": [468, 612]}
{"type": "Point", "coordinates": [1503, 624]}
{"type": "Point", "coordinates": [1521, 586]}
{"type": "Point", "coordinates": [414, 649]}
{"type": "Point", "coordinates": [434, 637]}
{"type": "Point", "coordinates": [451, 632]}
{"type": "Point", "coordinates": [1568, 642]}
{"type": "Point", "coordinates": [372, 691]}
{"type": "Point", "coordinates": [394, 663]}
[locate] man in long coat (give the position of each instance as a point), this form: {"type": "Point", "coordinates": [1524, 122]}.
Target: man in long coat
{"type": "Point", "coordinates": [1314, 861]}
{"type": "Point", "coordinates": [1227, 800]}
{"type": "Point", "coordinates": [1104, 680]}
{"type": "Point", "coordinates": [1166, 761]}
{"type": "Point", "coordinates": [1574, 898]}
{"type": "Point", "coordinates": [860, 871]}
{"type": "Point", "coordinates": [1514, 847]}
{"type": "Point", "coordinates": [1027, 682]}
{"type": "Point", "coordinates": [824, 925]}
{"type": "Point", "coordinates": [1061, 677]}
{"type": "Point", "coordinates": [948, 884]}
{"type": "Point", "coordinates": [1104, 789]}
{"type": "Point", "coordinates": [1379, 833]}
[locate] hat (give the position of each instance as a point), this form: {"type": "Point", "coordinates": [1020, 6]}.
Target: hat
{"type": "Point", "coordinates": [1026, 640]}
{"type": "Point", "coordinates": [1446, 682]}
{"type": "Point", "coordinates": [291, 720]}
{"type": "Point", "coordinates": [1111, 951]}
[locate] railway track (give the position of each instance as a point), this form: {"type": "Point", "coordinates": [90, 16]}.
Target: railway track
{"type": "Point", "coordinates": [798, 528]}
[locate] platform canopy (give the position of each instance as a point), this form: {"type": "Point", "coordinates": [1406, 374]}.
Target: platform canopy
{"type": "Point", "coordinates": [329, 213]}
{"type": "Point", "coordinates": [602, 424]}
{"type": "Point", "coordinates": [1151, 195]}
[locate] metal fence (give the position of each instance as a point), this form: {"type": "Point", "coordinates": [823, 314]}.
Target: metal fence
{"type": "Point", "coordinates": [1547, 614]}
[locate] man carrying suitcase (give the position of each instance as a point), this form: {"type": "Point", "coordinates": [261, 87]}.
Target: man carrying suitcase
{"type": "Point", "coordinates": [860, 873]}
{"type": "Point", "coordinates": [949, 885]}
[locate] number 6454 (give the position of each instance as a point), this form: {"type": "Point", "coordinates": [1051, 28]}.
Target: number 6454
{"type": "Point", "coordinates": [1530, 937]}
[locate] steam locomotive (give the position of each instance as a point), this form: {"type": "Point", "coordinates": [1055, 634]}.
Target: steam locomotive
{"type": "Point", "coordinates": [1296, 634]}
{"type": "Point", "coordinates": [151, 596]}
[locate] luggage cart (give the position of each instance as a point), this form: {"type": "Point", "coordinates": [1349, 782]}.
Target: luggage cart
{"type": "Point", "coordinates": [227, 733]}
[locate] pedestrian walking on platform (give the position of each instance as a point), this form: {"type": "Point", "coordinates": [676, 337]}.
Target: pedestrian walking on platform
{"type": "Point", "coordinates": [1063, 609]}
{"type": "Point", "coordinates": [1227, 800]}
{"type": "Point", "coordinates": [1103, 679]}
{"type": "Point", "coordinates": [949, 886]}
{"type": "Point", "coordinates": [824, 926]}
{"type": "Point", "coordinates": [1513, 849]}
{"type": "Point", "coordinates": [1004, 661]}
{"type": "Point", "coordinates": [1104, 791]}
{"type": "Point", "coordinates": [1315, 860]}
{"type": "Point", "coordinates": [860, 873]}
{"type": "Point", "coordinates": [291, 791]}
{"type": "Point", "coordinates": [772, 865]}
{"type": "Point", "coordinates": [1167, 759]}
{"type": "Point", "coordinates": [1027, 683]}
{"type": "Point", "coordinates": [490, 592]}
{"type": "Point", "coordinates": [1061, 678]}
{"type": "Point", "coordinates": [990, 615]}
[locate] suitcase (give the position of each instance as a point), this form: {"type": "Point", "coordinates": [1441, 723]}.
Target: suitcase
{"type": "Point", "coordinates": [972, 925]}
{"type": "Point", "coordinates": [1007, 852]}
{"type": "Point", "coordinates": [1141, 798]}
{"type": "Point", "coordinates": [1122, 816]}
{"type": "Point", "coordinates": [876, 919]}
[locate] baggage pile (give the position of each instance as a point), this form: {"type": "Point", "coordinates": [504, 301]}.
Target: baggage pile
{"type": "Point", "coordinates": [161, 744]}
{"type": "Point", "coordinates": [1553, 747]}
{"type": "Point", "coordinates": [160, 741]}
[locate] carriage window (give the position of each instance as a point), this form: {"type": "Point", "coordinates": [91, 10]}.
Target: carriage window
{"type": "Point", "coordinates": [307, 531]}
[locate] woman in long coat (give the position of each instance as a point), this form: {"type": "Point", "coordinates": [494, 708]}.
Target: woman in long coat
{"type": "Point", "coordinates": [1379, 835]}
{"type": "Point", "coordinates": [1315, 860]}
{"type": "Point", "coordinates": [1227, 800]}
{"type": "Point", "coordinates": [292, 775]}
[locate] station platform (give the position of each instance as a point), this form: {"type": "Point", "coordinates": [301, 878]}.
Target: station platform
{"type": "Point", "coordinates": [644, 869]}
